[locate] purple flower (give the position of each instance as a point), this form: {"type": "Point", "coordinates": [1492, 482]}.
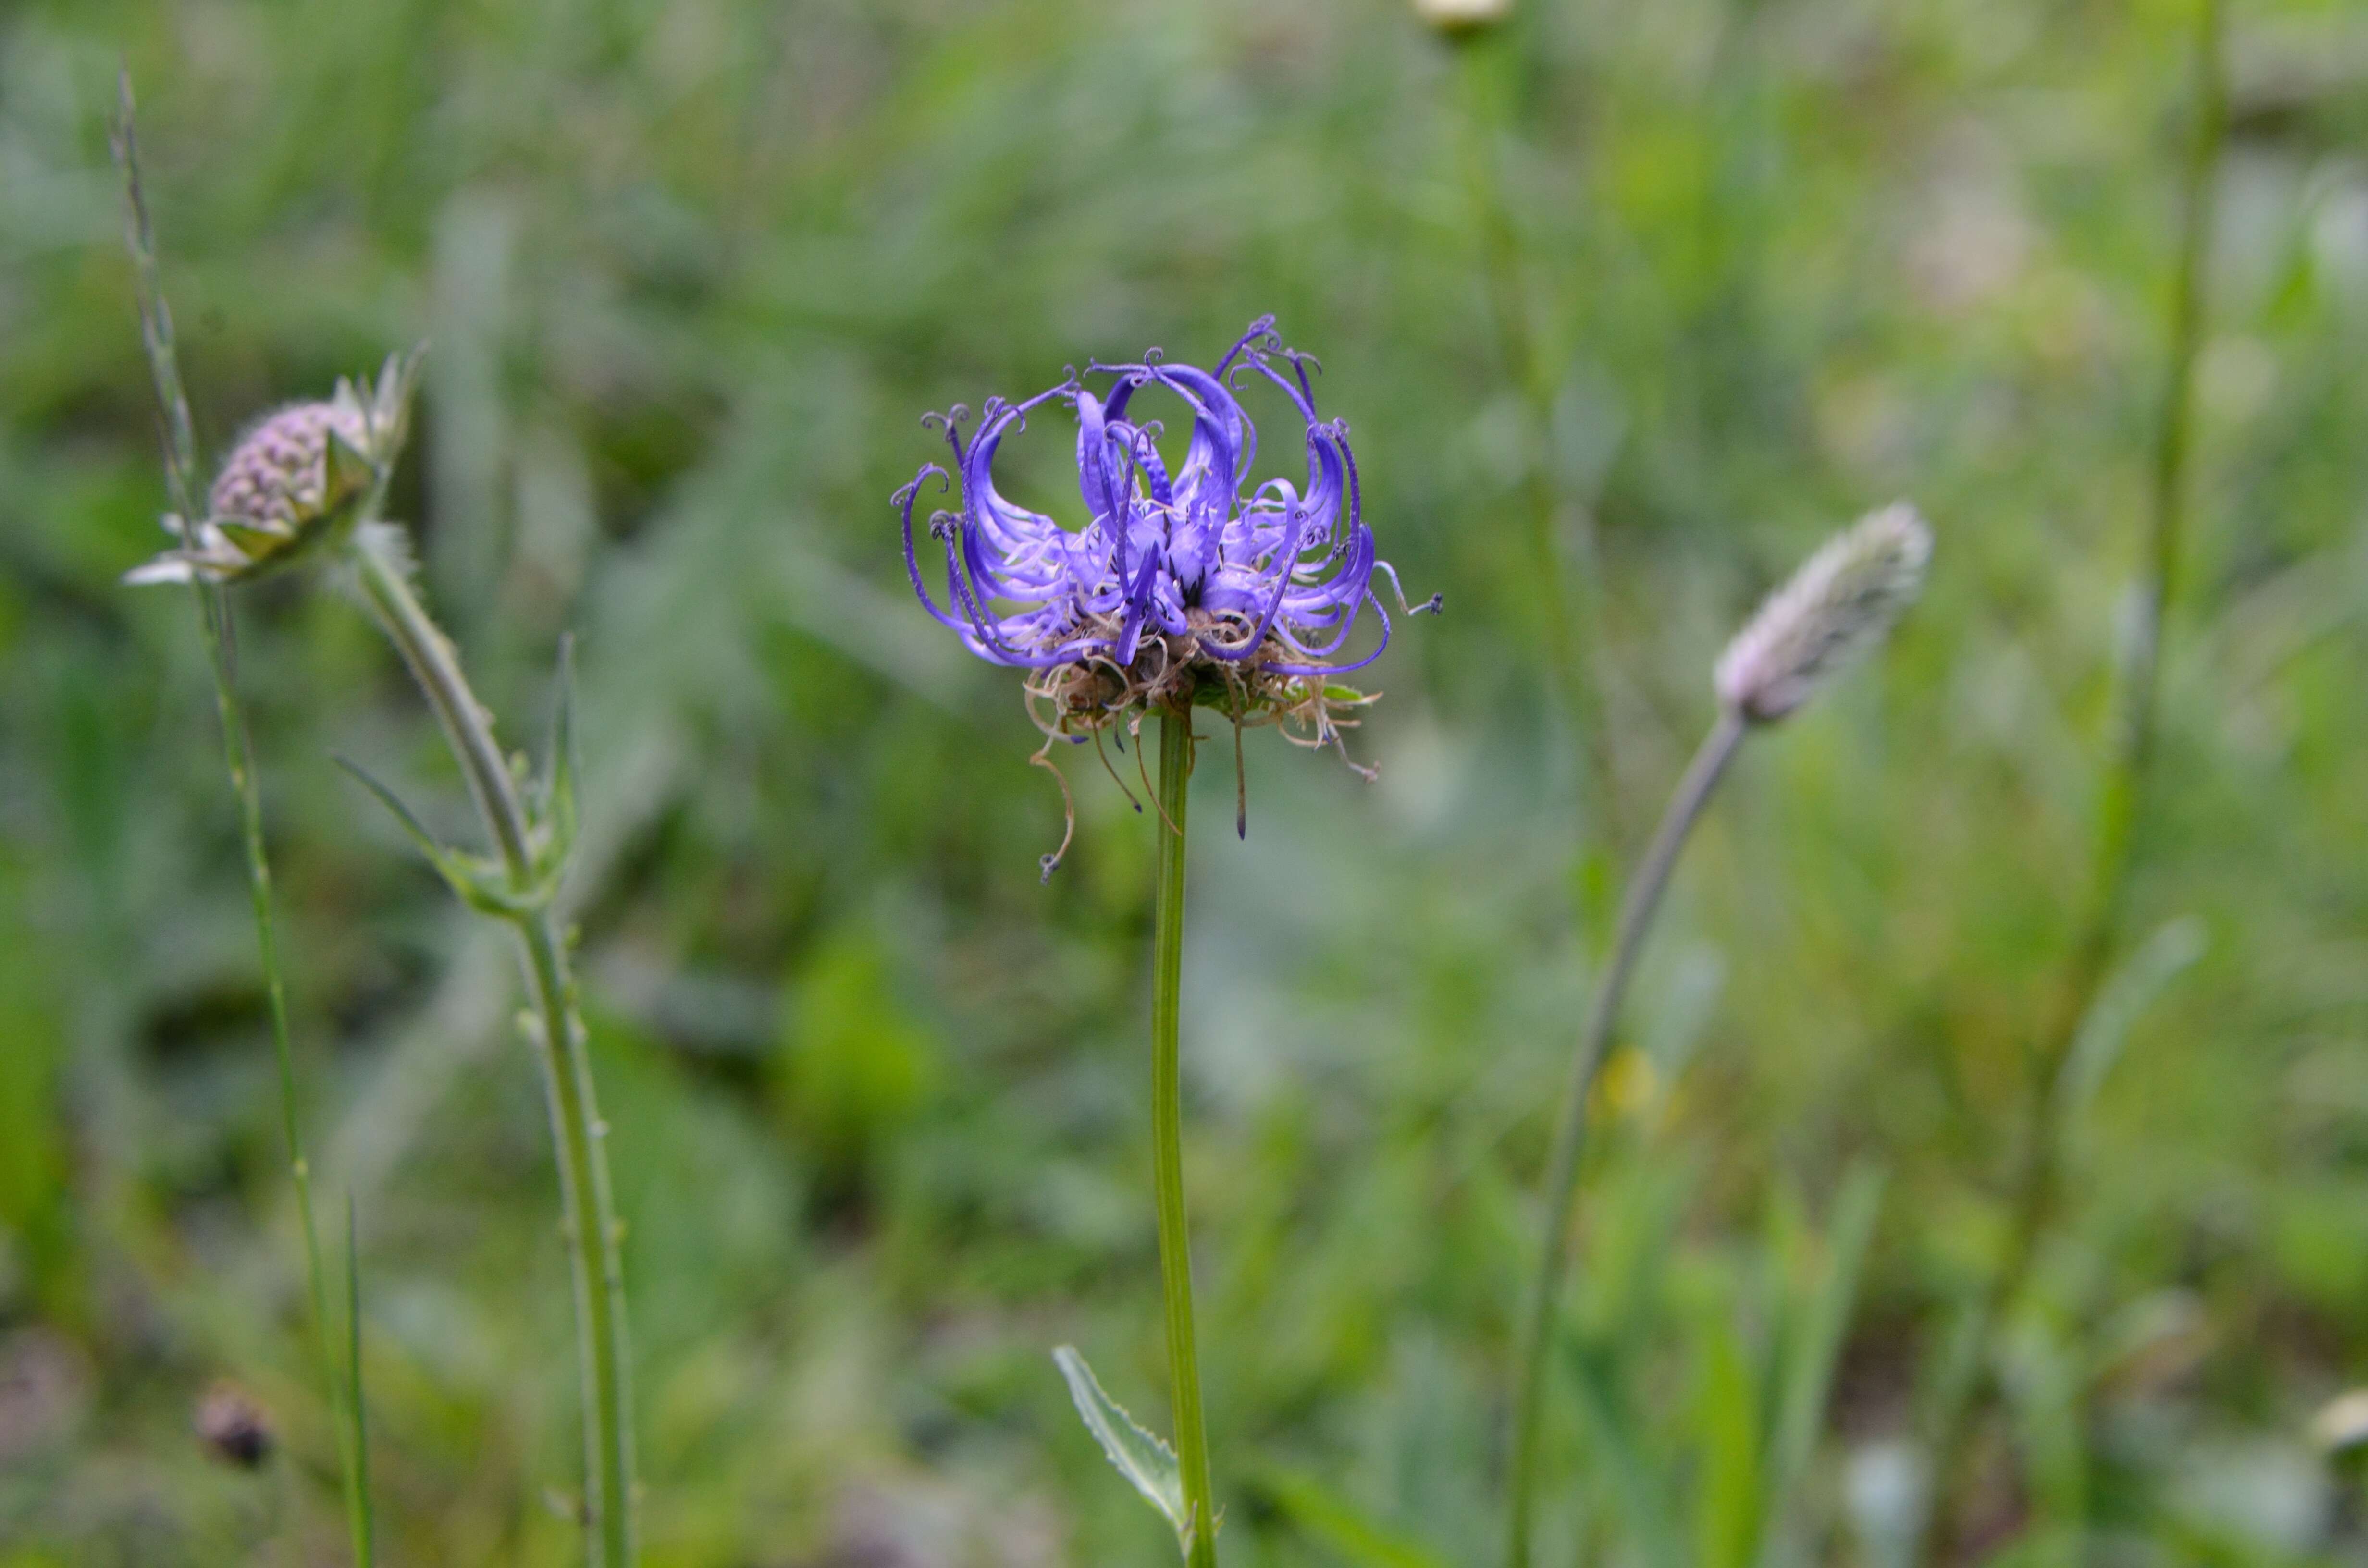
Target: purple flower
{"type": "Point", "coordinates": [1183, 586]}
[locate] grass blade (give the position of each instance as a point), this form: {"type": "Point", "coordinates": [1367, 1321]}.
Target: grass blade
{"type": "Point", "coordinates": [1351, 1532]}
{"type": "Point", "coordinates": [1817, 1347]}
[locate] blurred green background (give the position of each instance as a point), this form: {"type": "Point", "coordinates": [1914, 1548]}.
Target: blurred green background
{"type": "Point", "coordinates": [691, 270]}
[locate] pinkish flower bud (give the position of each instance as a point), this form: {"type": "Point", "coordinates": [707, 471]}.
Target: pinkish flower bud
{"type": "Point", "coordinates": [278, 477]}
{"type": "Point", "coordinates": [292, 480]}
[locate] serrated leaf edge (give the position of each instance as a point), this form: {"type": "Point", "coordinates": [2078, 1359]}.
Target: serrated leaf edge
{"type": "Point", "coordinates": [1156, 1474]}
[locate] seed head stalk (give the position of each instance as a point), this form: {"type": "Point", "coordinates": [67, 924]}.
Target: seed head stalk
{"type": "Point", "coordinates": [558, 1036]}
{"type": "Point", "coordinates": [1839, 605]}
{"type": "Point", "coordinates": [1636, 912]}
{"type": "Point", "coordinates": [2119, 805]}
{"type": "Point", "coordinates": [216, 630]}
{"type": "Point", "coordinates": [1167, 1137]}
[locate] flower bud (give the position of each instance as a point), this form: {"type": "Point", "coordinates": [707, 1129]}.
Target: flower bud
{"type": "Point", "coordinates": [291, 481]}
{"type": "Point", "coordinates": [230, 1424]}
{"type": "Point", "coordinates": [277, 479]}
{"type": "Point", "coordinates": [1458, 16]}
{"type": "Point", "coordinates": [1839, 604]}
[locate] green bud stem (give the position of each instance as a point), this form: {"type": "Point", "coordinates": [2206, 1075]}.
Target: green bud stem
{"type": "Point", "coordinates": [558, 1036]}
{"type": "Point", "coordinates": [1167, 1138]}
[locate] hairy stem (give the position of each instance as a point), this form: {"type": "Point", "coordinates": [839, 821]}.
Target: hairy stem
{"type": "Point", "coordinates": [1643, 900]}
{"type": "Point", "coordinates": [184, 487]}
{"type": "Point", "coordinates": [1167, 1138]}
{"type": "Point", "coordinates": [2120, 796]}
{"type": "Point", "coordinates": [578, 1133]}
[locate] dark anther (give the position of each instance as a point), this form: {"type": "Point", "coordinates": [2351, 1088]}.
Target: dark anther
{"type": "Point", "coordinates": [942, 525]}
{"type": "Point", "coordinates": [1431, 606]}
{"type": "Point", "coordinates": [1048, 864]}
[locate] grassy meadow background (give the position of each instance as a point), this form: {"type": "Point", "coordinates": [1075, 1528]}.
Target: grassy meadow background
{"type": "Point", "coordinates": [691, 271]}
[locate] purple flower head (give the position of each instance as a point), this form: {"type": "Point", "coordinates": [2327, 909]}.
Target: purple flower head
{"type": "Point", "coordinates": [1190, 586]}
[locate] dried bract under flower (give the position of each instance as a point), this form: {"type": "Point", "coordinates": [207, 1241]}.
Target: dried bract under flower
{"type": "Point", "coordinates": [1839, 604]}
{"type": "Point", "coordinates": [290, 481]}
{"type": "Point", "coordinates": [1182, 588]}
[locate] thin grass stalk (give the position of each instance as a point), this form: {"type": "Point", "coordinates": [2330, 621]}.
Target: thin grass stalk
{"type": "Point", "coordinates": [1167, 1138]}
{"type": "Point", "coordinates": [1636, 914]}
{"type": "Point", "coordinates": [2121, 794]}
{"type": "Point", "coordinates": [185, 487]}
{"type": "Point", "coordinates": [1568, 619]}
{"type": "Point", "coordinates": [558, 1035]}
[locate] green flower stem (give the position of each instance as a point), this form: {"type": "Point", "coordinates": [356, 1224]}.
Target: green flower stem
{"type": "Point", "coordinates": [1643, 900]}
{"type": "Point", "coordinates": [183, 484]}
{"type": "Point", "coordinates": [1167, 1138]}
{"type": "Point", "coordinates": [589, 1213]}
{"type": "Point", "coordinates": [2121, 794]}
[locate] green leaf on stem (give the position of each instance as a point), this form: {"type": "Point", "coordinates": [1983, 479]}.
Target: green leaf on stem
{"type": "Point", "coordinates": [482, 885]}
{"type": "Point", "coordinates": [1143, 1458]}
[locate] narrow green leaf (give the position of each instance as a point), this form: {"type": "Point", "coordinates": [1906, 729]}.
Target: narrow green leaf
{"type": "Point", "coordinates": [482, 886]}
{"type": "Point", "coordinates": [1816, 1347]}
{"type": "Point", "coordinates": [2135, 987]}
{"type": "Point", "coordinates": [556, 809]}
{"type": "Point", "coordinates": [1342, 1525]}
{"type": "Point", "coordinates": [1143, 1458]}
{"type": "Point", "coordinates": [1727, 1415]}
{"type": "Point", "coordinates": [2040, 1374]}
{"type": "Point", "coordinates": [1642, 1491]}
{"type": "Point", "coordinates": [354, 1381]}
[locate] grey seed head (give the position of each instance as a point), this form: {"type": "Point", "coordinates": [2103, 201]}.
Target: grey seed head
{"type": "Point", "coordinates": [1840, 603]}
